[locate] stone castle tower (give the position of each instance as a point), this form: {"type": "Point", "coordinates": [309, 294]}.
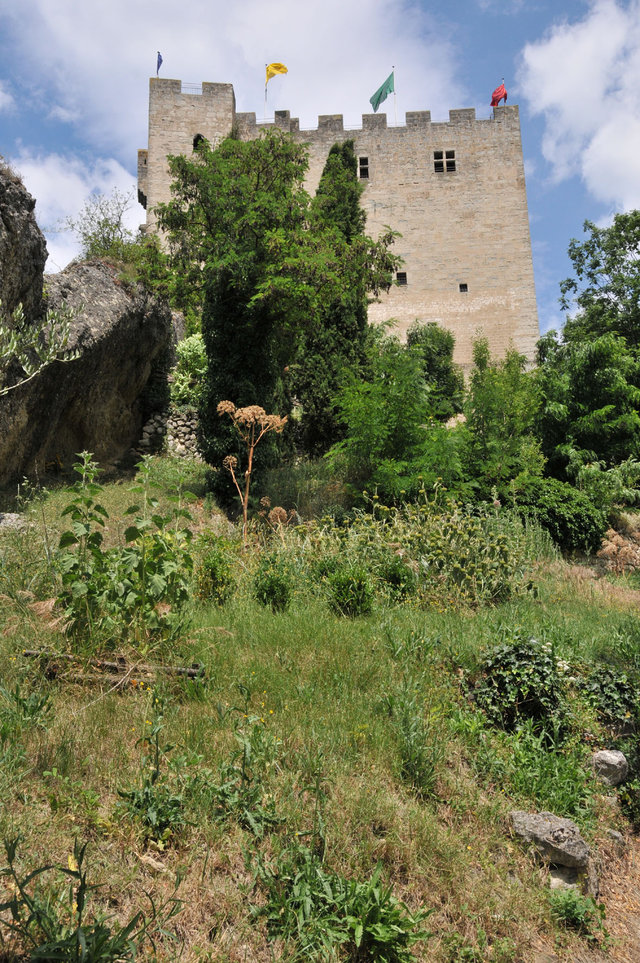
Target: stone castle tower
{"type": "Point", "coordinates": [455, 191]}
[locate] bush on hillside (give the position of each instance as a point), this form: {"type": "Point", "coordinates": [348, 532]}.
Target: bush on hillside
{"type": "Point", "coordinates": [570, 517]}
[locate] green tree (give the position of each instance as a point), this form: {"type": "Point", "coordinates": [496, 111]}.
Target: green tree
{"type": "Point", "coordinates": [591, 392]}
{"type": "Point", "coordinates": [266, 266]}
{"type": "Point", "coordinates": [334, 336]}
{"type": "Point", "coordinates": [392, 442]}
{"type": "Point", "coordinates": [502, 449]}
{"type": "Point", "coordinates": [100, 226]}
{"type": "Point", "coordinates": [444, 378]}
{"type": "Point", "coordinates": [606, 286]}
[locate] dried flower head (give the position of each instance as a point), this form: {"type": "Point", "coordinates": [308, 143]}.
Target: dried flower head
{"type": "Point", "coordinates": [278, 516]}
{"type": "Point", "coordinates": [265, 502]}
{"type": "Point", "coordinates": [226, 408]}
{"type": "Point", "coordinates": [230, 462]}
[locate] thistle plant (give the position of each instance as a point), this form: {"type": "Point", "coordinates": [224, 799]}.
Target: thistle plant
{"type": "Point", "coordinates": [251, 424]}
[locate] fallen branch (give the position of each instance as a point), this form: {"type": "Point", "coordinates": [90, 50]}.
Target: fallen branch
{"type": "Point", "coordinates": [119, 666]}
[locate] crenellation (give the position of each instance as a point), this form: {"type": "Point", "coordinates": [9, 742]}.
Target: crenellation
{"type": "Point", "coordinates": [374, 121]}
{"type": "Point", "coordinates": [434, 182]}
{"type": "Point", "coordinates": [466, 115]}
{"type": "Point", "coordinates": [418, 118]}
{"type": "Point", "coordinates": [331, 122]}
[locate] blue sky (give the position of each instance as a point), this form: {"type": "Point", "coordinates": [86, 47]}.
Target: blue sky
{"type": "Point", "coordinates": [74, 86]}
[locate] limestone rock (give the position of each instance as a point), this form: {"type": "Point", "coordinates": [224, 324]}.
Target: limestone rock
{"type": "Point", "coordinates": [610, 766]}
{"type": "Point", "coordinates": [23, 250]}
{"type": "Point", "coordinates": [93, 403]}
{"type": "Point", "coordinates": [557, 840]}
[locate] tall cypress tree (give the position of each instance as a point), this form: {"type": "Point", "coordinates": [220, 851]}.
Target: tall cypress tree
{"type": "Point", "coordinates": [335, 337]}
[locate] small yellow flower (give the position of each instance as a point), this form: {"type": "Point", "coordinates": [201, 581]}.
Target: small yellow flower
{"type": "Point", "coordinates": [72, 864]}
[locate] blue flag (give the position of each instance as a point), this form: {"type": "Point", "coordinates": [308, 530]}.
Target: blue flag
{"type": "Point", "coordinates": [159, 64]}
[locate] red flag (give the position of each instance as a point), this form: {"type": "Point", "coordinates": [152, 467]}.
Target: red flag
{"type": "Point", "coordinates": [498, 94]}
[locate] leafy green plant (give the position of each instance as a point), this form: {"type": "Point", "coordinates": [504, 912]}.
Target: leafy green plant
{"type": "Point", "coordinates": [54, 923]}
{"type": "Point", "coordinates": [569, 515]}
{"type": "Point", "coordinates": [157, 805]}
{"type": "Point", "coordinates": [28, 348]}
{"type": "Point", "coordinates": [629, 796]}
{"type": "Point", "coordinates": [134, 591]}
{"type": "Point", "coordinates": [398, 580]}
{"type": "Point", "coordinates": [350, 590]}
{"type": "Point", "coordinates": [238, 792]}
{"type": "Point", "coordinates": [613, 695]}
{"type": "Point", "coordinates": [579, 912]}
{"type": "Point", "coordinates": [321, 910]}
{"type": "Point", "coordinates": [274, 581]}
{"type": "Point", "coordinates": [18, 710]}
{"type": "Point", "coordinates": [519, 680]}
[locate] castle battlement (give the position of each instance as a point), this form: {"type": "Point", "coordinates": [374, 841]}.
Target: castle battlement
{"type": "Point", "coordinates": [454, 190]}
{"type": "Point", "coordinates": [415, 119]}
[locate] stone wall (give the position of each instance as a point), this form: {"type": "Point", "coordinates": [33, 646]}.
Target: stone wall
{"type": "Point", "coordinates": [465, 230]}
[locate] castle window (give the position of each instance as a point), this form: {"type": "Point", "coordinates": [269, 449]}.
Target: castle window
{"type": "Point", "coordinates": [363, 168]}
{"type": "Point", "coordinates": [444, 160]}
{"type": "Point", "coordinates": [463, 288]}
{"type": "Point", "coordinates": [198, 141]}
{"type": "Point", "coordinates": [401, 277]}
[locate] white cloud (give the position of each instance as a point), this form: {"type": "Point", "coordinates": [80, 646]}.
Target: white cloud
{"type": "Point", "coordinates": [6, 100]}
{"type": "Point", "coordinates": [584, 78]}
{"type": "Point", "coordinates": [61, 184]}
{"type": "Point", "coordinates": [98, 57]}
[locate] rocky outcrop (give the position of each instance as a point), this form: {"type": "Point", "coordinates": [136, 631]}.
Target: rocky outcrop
{"type": "Point", "coordinates": [557, 840]}
{"type": "Point", "coordinates": [23, 250]}
{"type": "Point", "coordinates": [93, 403]}
{"type": "Point", "coordinates": [610, 766]}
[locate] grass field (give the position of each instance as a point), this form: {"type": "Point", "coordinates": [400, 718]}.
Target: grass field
{"type": "Point", "coordinates": [334, 781]}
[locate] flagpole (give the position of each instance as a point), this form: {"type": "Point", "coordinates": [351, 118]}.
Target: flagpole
{"type": "Point", "coordinates": [265, 92]}
{"type": "Point", "coordinates": [395, 101]}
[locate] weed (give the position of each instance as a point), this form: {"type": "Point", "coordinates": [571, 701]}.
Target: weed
{"type": "Point", "coordinates": [419, 738]}
{"type": "Point", "coordinates": [239, 792]}
{"type": "Point", "coordinates": [123, 592]}
{"type": "Point", "coordinates": [155, 804]}
{"type": "Point", "coordinates": [321, 910]}
{"type": "Point", "coordinates": [17, 711]}
{"type": "Point", "coordinates": [54, 923]}
{"type": "Point", "coordinates": [579, 912]}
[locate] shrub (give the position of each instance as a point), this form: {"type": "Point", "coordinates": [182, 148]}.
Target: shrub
{"type": "Point", "coordinates": [399, 581]}
{"type": "Point", "coordinates": [613, 696]}
{"type": "Point", "coordinates": [520, 680]}
{"type": "Point", "coordinates": [570, 517]}
{"type": "Point", "coordinates": [273, 583]}
{"type": "Point", "coordinates": [190, 372]}
{"type": "Point", "coordinates": [215, 579]}
{"type": "Point", "coordinates": [351, 590]}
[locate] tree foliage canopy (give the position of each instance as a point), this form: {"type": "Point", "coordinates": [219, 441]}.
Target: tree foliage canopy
{"type": "Point", "coordinates": [281, 278]}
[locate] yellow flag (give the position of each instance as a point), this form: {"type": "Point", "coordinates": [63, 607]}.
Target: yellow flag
{"type": "Point", "coordinates": [273, 69]}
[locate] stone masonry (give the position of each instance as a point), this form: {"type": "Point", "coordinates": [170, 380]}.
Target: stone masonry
{"type": "Point", "coordinates": [454, 190]}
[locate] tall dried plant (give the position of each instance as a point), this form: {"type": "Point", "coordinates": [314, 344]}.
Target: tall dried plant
{"type": "Point", "coordinates": [252, 424]}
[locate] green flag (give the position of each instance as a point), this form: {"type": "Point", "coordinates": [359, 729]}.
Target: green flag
{"type": "Point", "coordinates": [382, 93]}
